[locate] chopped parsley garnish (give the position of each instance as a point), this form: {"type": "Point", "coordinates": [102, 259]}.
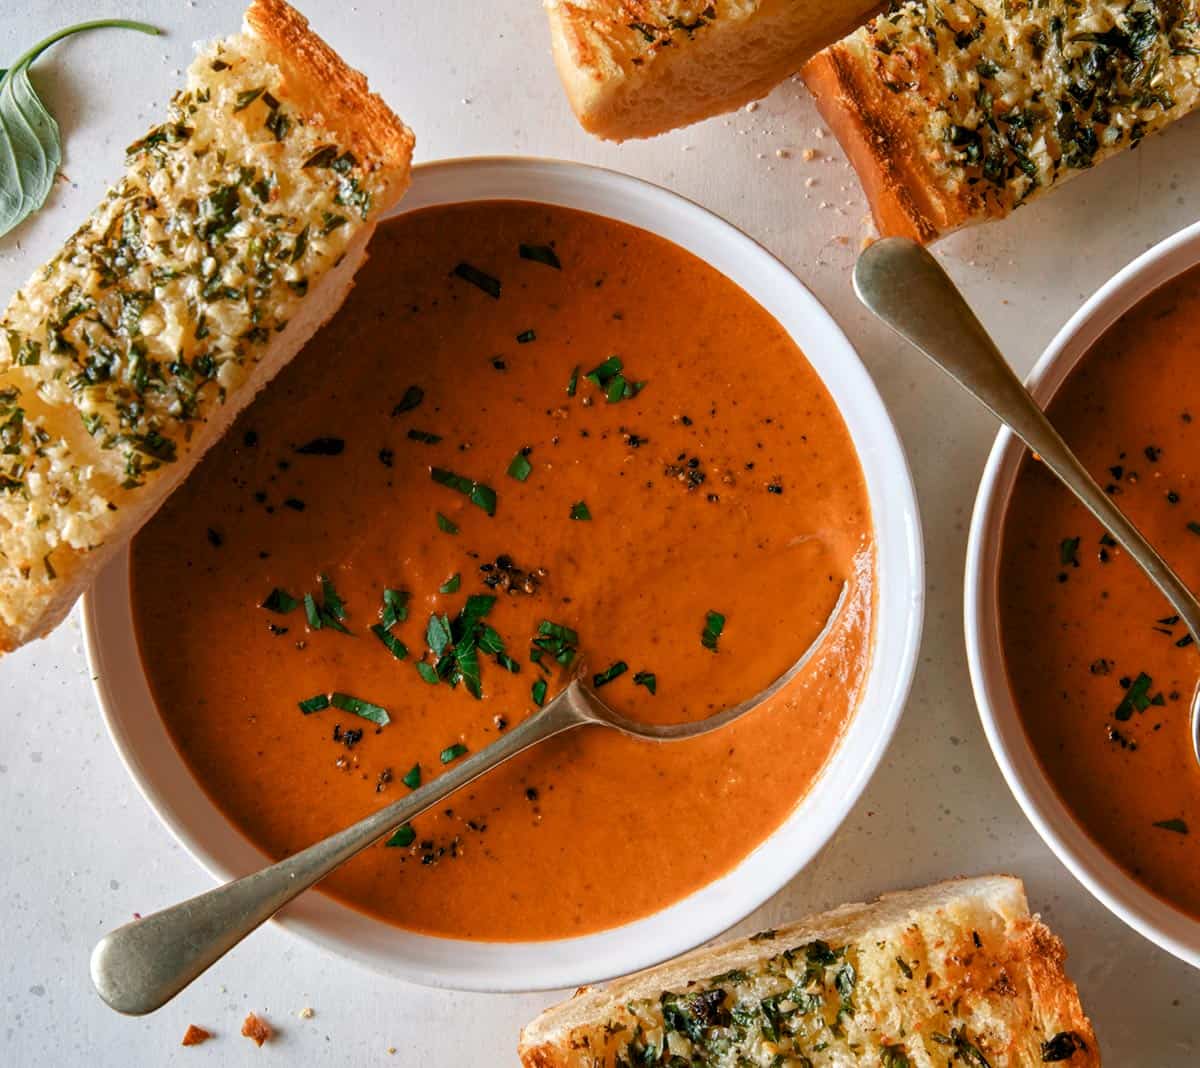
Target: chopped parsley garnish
{"type": "Point", "coordinates": [1137, 697]}
{"type": "Point", "coordinates": [424, 437]}
{"type": "Point", "coordinates": [334, 605]}
{"type": "Point", "coordinates": [579, 510]}
{"type": "Point", "coordinates": [447, 525]}
{"type": "Point", "coordinates": [714, 624]}
{"type": "Point", "coordinates": [1194, 527]}
{"type": "Point", "coordinates": [526, 336]}
{"type": "Point", "coordinates": [456, 646]}
{"type": "Point", "coordinates": [247, 97]}
{"type": "Point", "coordinates": [573, 382]}
{"type": "Point", "coordinates": [451, 584]}
{"type": "Point", "coordinates": [312, 612]}
{"type": "Point", "coordinates": [403, 838]}
{"type": "Point", "coordinates": [315, 704]}
{"type": "Point", "coordinates": [647, 679]}
{"type": "Point", "coordinates": [606, 676]}
{"type": "Point", "coordinates": [394, 645]}
{"type": "Point", "coordinates": [1068, 552]}
{"type": "Point", "coordinates": [329, 611]}
{"type": "Point", "coordinates": [395, 608]}
{"type": "Point", "coordinates": [412, 777]}
{"type": "Point", "coordinates": [540, 254]}
{"type": "Point", "coordinates": [609, 376]}
{"type": "Point", "coordinates": [359, 707]}
{"type": "Point", "coordinates": [538, 692]}
{"type": "Point", "coordinates": [412, 397]}
{"type": "Point", "coordinates": [279, 601]}
{"type": "Point", "coordinates": [478, 494]}
{"type": "Point", "coordinates": [520, 468]}
{"type": "Point", "coordinates": [322, 447]}
{"type": "Point", "coordinates": [1176, 825]}
{"type": "Point", "coordinates": [452, 752]}
{"type": "Point", "coordinates": [554, 640]}
{"type": "Point", "coordinates": [490, 285]}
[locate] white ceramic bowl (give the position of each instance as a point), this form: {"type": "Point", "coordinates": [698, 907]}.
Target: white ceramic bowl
{"type": "Point", "coordinates": [170, 789]}
{"type": "Point", "coordinates": [1142, 910]}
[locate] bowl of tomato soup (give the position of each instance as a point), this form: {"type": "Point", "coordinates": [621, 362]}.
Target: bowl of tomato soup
{"type": "Point", "coordinates": [1082, 672]}
{"type": "Point", "coordinates": [566, 421]}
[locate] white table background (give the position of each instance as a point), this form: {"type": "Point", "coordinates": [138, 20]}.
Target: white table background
{"type": "Point", "coordinates": [80, 851]}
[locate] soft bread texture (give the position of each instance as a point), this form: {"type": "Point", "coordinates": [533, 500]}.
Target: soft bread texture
{"type": "Point", "coordinates": [233, 235]}
{"type": "Point", "coordinates": [955, 112]}
{"type": "Point", "coordinates": [956, 973]}
{"type": "Point", "coordinates": [636, 68]}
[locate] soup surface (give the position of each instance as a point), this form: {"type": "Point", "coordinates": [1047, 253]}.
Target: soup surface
{"type": "Point", "coordinates": [473, 516]}
{"type": "Point", "coordinates": [1101, 669]}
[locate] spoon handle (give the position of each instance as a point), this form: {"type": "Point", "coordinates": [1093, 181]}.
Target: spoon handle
{"type": "Point", "coordinates": [141, 966]}
{"type": "Point", "coordinates": [906, 287]}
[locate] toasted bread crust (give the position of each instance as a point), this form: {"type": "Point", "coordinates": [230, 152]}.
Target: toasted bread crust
{"type": "Point", "coordinates": [637, 68]}
{"type": "Point", "coordinates": [324, 82]}
{"type": "Point", "coordinates": [956, 968]}
{"type": "Point", "coordinates": [104, 433]}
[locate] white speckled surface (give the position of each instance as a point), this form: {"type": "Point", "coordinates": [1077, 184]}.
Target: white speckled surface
{"type": "Point", "coordinates": [82, 851]}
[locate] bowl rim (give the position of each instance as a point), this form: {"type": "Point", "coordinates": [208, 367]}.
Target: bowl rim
{"type": "Point", "coordinates": [1143, 910]}
{"type": "Point", "coordinates": [185, 810]}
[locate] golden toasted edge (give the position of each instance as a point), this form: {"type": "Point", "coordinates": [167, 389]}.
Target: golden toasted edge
{"type": "Point", "coordinates": [1055, 997]}
{"type": "Point", "coordinates": [328, 86]}
{"type": "Point", "coordinates": [583, 83]}
{"type": "Point", "coordinates": [901, 187]}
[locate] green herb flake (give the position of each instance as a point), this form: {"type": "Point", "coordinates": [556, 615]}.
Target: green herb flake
{"type": "Point", "coordinates": [1176, 825]}
{"type": "Point", "coordinates": [437, 634]}
{"type": "Point", "coordinates": [606, 676]}
{"type": "Point", "coordinates": [428, 672]}
{"type": "Point", "coordinates": [247, 97]}
{"type": "Point", "coordinates": [424, 437]}
{"type": "Point", "coordinates": [412, 777]}
{"type": "Point", "coordinates": [480, 279]}
{"type": "Point", "coordinates": [1194, 527]}
{"type": "Point", "coordinates": [279, 601]}
{"type": "Point", "coordinates": [358, 707]}
{"type": "Point", "coordinates": [540, 254]}
{"type": "Point", "coordinates": [395, 608]}
{"type": "Point", "coordinates": [477, 493]}
{"type": "Point", "coordinates": [526, 336]}
{"type": "Point", "coordinates": [393, 644]}
{"type": "Point", "coordinates": [452, 752]}
{"type": "Point", "coordinates": [447, 525]}
{"type": "Point", "coordinates": [311, 612]}
{"type": "Point", "coordinates": [1068, 552]}
{"type": "Point", "coordinates": [1137, 698]}
{"type": "Point", "coordinates": [316, 703]}
{"type": "Point", "coordinates": [573, 382]}
{"type": "Point", "coordinates": [403, 837]}
{"type": "Point", "coordinates": [412, 397]}
{"type": "Point", "coordinates": [538, 692]}
{"type": "Point", "coordinates": [647, 679]}
{"type": "Point", "coordinates": [520, 468]}
{"type": "Point", "coordinates": [714, 624]}
{"type": "Point", "coordinates": [580, 510]}
{"type": "Point", "coordinates": [451, 584]}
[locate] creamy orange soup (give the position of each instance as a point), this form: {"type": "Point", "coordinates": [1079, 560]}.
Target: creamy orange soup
{"type": "Point", "coordinates": [1101, 668]}
{"type": "Point", "coordinates": [532, 439]}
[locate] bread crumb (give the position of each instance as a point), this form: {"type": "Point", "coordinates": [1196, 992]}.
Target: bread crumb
{"type": "Point", "coordinates": [808, 155]}
{"type": "Point", "coordinates": [391, 1049]}
{"type": "Point", "coordinates": [783, 153]}
{"type": "Point", "coordinates": [752, 106]}
{"type": "Point", "coordinates": [194, 1035]}
{"type": "Point", "coordinates": [306, 1013]}
{"type": "Point", "coordinates": [819, 132]}
{"type": "Point", "coordinates": [257, 1029]}
{"type": "Point", "coordinates": [809, 182]}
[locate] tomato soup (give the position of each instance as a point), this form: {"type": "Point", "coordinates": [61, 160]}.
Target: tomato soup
{"type": "Point", "coordinates": [532, 442]}
{"type": "Point", "coordinates": [1101, 668]}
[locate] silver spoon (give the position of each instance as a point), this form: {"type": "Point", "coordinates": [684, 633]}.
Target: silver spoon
{"type": "Point", "coordinates": [141, 966]}
{"type": "Point", "coordinates": [907, 288]}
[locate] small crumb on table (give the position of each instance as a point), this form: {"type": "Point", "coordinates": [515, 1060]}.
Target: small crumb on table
{"type": "Point", "coordinates": [306, 1013]}
{"type": "Point", "coordinates": [194, 1035]}
{"type": "Point", "coordinates": [256, 1028]}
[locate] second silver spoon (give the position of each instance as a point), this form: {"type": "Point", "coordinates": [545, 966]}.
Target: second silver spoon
{"type": "Point", "coordinates": [907, 288]}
